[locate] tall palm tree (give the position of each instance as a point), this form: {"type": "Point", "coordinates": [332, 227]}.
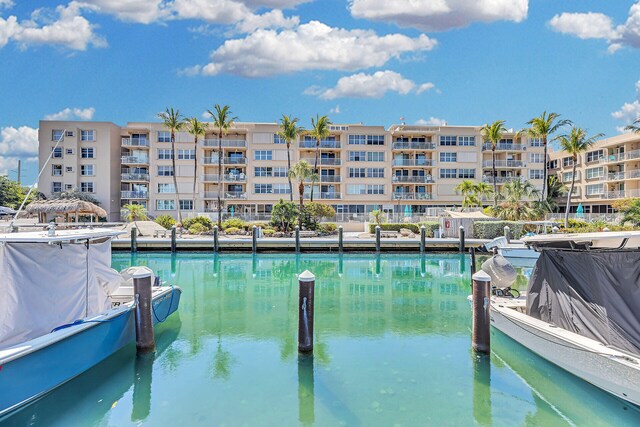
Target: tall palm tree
{"type": "Point", "coordinates": [467, 188]}
{"type": "Point", "coordinates": [174, 122]}
{"type": "Point", "coordinates": [222, 120]}
{"type": "Point", "coordinates": [302, 172]}
{"type": "Point", "coordinates": [574, 143]}
{"type": "Point", "coordinates": [634, 127]}
{"type": "Point", "coordinates": [493, 133]}
{"type": "Point", "coordinates": [483, 190]}
{"type": "Point", "coordinates": [289, 131]}
{"type": "Point", "coordinates": [320, 131]}
{"type": "Point", "coordinates": [516, 202]}
{"type": "Point", "coordinates": [543, 127]}
{"type": "Point", "coordinates": [135, 212]}
{"type": "Point", "coordinates": [196, 128]}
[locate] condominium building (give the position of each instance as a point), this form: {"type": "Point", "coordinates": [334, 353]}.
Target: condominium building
{"type": "Point", "coordinates": [401, 169]}
{"type": "Point", "coordinates": [608, 171]}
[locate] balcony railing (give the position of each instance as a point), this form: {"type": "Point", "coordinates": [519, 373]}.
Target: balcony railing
{"type": "Point", "coordinates": [134, 194]}
{"type": "Point", "coordinates": [225, 177]}
{"type": "Point", "coordinates": [503, 164]}
{"type": "Point", "coordinates": [330, 178]}
{"type": "Point", "coordinates": [232, 143]}
{"type": "Point", "coordinates": [503, 147]}
{"type": "Point", "coordinates": [414, 162]}
{"type": "Point", "coordinates": [135, 142]}
{"type": "Point", "coordinates": [416, 179]}
{"type": "Point", "coordinates": [411, 196]}
{"type": "Point", "coordinates": [225, 160]}
{"type": "Point", "coordinates": [325, 195]}
{"type": "Point", "coordinates": [226, 194]}
{"type": "Point", "coordinates": [324, 143]}
{"type": "Point", "coordinates": [414, 146]}
{"type": "Point", "coordinates": [134, 177]}
{"type": "Point", "coordinates": [499, 179]}
{"type": "Point", "coordinates": [135, 160]}
{"type": "Point", "coordinates": [323, 161]}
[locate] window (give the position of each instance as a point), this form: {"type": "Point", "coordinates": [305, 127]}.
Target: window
{"type": "Point", "coordinates": [567, 176]}
{"type": "Point", "coordinates": [357, 139]}
{"type": "Point", "coordinates": [553, 164]}
{"type": "Point", "coordinates": [278, 139]}
{"type": "Point", "coordinates": [68, 187]}
{"type": "Point", "coordinates": [594, 189]}
{"type": "Point", "coordinates": [357, 156]}
{"type": "Point", "coordinates": [263, 171]}
{"type": "Point", "coordinates": [593, 173]}
{"type": "Point", "coordinates": [281, 189]}
{"type": "Point", "coordinates": [263, 188]}
{"type": "Point", "coordinates": [448, 157]}
{"type": "Point", "coordinates": [165, 205]}
{"type": "Point", "coordinates": [375, 156]}
{"type": "Point", "coordinates": [375, 173]}
{"type": "Point", "coordinates": [186, 205]}
{"type": "Point", "coordinates": [86, 170]}
{"type": "Point", "coordinates": [69, 169]}
{"type": "Point", "coordinates": [375, 189]}
{"type": "Point", "coordinates": [56, 170]}
{"type": "Point", "coordinates": [69, 133]}
{"type": "Point", "coordinates": [467, 173]}
{"type": "Point", "coordinates": [57, 153]}
{"type": "Point", "coordinates": [186, 154]}
{"type": "Point", "coordinates": [375, 139]}
{"type": "Point", "coordinates": [87, 135]}
{"type": "Point", "coordinates": [280, 172]}
{"type": "Point", "coordinates": [448, 173]}
{"type": "Point", "coordinates": [448, 140]}
{"type": "Point", "coordinates": [536, 158]}
{"type": "Point", "coordinates": [86, 187]}
{"type": "Point", "coordinates": [56, 134]}
{"type": "Point", "coordinates": [69, 151]}
{"type": "Point", "coordinates": [164, 136]}
{"type": "Point", "coordinates": [357, 173]}
{"type": "Point", "coordinates": [165, 154]}
{"type": "Point", "coordinates": [506, 141]}
{"type": "Point", "coordinates": [593, 156]}
{"type": "Point", "coordinates": [536, 173]}
{"type": "Point", "coordinates": [56, 187]}
{"type": "Point", "coordinates": [467, 140]}
{"type": "Point", "coordinates": [536, 142]}
{"type": "Point", "coordinates": [356, 189]}
{"type": "Point", "coordinates": [166, 188]}
{"type": "Point", "coordinates": [165, 170]}
{"type": "Point", "coordinates": [567, 161]}
{"type": "Point", "coordinates": [263, 155]}
{"type": "Point", "coordinates": [87, 153]}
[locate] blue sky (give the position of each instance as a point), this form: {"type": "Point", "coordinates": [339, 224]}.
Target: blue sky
{"type": "Point", "coordinates": [370, 61]}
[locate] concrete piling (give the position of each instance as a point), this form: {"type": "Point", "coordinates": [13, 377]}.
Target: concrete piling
{"type": "Point", "coordinates": [173, 239]}
{"type": "Point", "coordinates": [306, 284]}
{"type": "Point", "coordinates": [481, 305]}
{"type": "Point", "coordinates": [377, 238]}
{"type": "Point", "coordinates": [507, 233]}
{"type": "Point", "coordinates": [461, 247]}
{"type": "Point", "coordinates": [145, 338]}
{"type": "Point", "coordinates": [423, 236]}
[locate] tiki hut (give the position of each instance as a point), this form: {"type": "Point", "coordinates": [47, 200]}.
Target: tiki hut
{"type": "Point", "coordinates": [66, 207]}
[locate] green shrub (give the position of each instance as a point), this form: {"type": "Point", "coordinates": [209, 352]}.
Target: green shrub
{"type": "Point", "coordinates": [284, 215]}
{"type": "Point", "coordinates": [415, 228]}
{"type": "Point", "coordinates": [166, 221]}
{"type": "Point", "coordinates": [493, 229]}
{"type": "Point", "coordinates": [327, 227]}
{"type": "Point", "coordinates": [268, 232]}
{"type": "Point", "coordinates": [431, 227]}
{"type": "Point", "coordinates": [202, 220]}
{"type": "Point", "coordinates": [197, 228]}
{"type": "Point", "coordinates": [233, 223]}
{"type": "Point", "coordinates": [233, 230]}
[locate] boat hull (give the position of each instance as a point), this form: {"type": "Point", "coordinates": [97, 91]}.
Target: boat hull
{"type": "Point", "coordinates": [25, 378]}
{"type": "Point", "coordinates": [593, 362]}
{"type": "Point", "coordinates": [523, 252]}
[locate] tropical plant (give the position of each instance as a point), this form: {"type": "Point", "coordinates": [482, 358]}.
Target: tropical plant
{"type": "Point", "coordinates": [284, 215]}
{"type": "Point", "coordinates": [289, 131]}
{"type": "Point", "coordinates": [234, 222]}
{"type": "Point", "coordinates": [135, 212]}
{"type": "Point", "coordinates": [630, 209]}
{"type": "Point", "coordinates": [222, 120]}
{"type": "Point", "coordinates": [483, 191]}
{"type": "Point", "coordinates": [467, 189]}
{"type": "Point", "coordinates": [493, 134]}
{"type": "Point", "coordinates": [174, 122]}
{"type": "Point", "coordinates": [302, 172]}
{"type": "Point", "coordinates": [634, 127]}
{"type": "Point", "coordinates": [517, 201]}
{"type": "Point", "coordinates": [314, 212]}
{"type": "Point", "coordinates": [196, 128]}
{"type": "Point", "coordinates": [555, 190]}
{"type": "Point", "coordinates": [378, 216]}
{"type": "Point", "coordinates": [574, 143]}
{"type": "Point", "coordinates": [319, 131]}
{"type": "Point", "coordinates": [166, 221]}
{"type": "Point", "coordinates": [199, 219]}
{"type": "Point", "coordinates": [12, 193]}
{"type": "Point", "coordinates": [543, 127]}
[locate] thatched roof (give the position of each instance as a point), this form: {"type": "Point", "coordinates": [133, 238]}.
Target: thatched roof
{"type": "Point", "coordinates": [65, 206]}
{"type": "Point", "coordinates": [469, 215]}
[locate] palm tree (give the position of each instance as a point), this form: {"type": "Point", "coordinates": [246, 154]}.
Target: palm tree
{"type": "Point", "coordinates": [516, 201]}
{"type": "Point", "coordinates": [634, 127]}
{"type": "Point", "coordinates": [196, 128]}
{"type": "Point", "coordinates": [467, 189]}
{"type": "Point", "coordinates": [543, 127]}
{"type": "Point", "coordinates": [223, 121]}
{"type": "Point", "coordinates": [289, 131]}
{"type": "Point", "coordinates": [574, 143]}
{"type": "Point", "coordinates": [302, 172]}
{"type": "Point", "coordinates": [483, 190]}
{"type": "Point", "coordinates": [174, 122]}
{"type": "Point", "coordinates": [135, 212]}
{"type": "Point", "coordinates": [320, 131]}
{"type": "Point", "coordinates": [493, 133]}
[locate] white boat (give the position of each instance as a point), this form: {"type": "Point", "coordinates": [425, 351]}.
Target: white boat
{"type": "Point", "coordinates": [63, 309]}
{"type": "Point", "coordinates": [581, 308]}
{"type": "Point", "coordinates": [518, 254]}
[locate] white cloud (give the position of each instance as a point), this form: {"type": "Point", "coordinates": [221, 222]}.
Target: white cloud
{"type": "Point", "coordinates": [374, 85]}
{"type": "Point", "coordinates": [439, 15]}
{"type": "Point", "coordinates": [335, 110]}
{"type": "Point", "coordinates": [431, 121]}
{"type": "Point", "coordinates": [629, 111]}
{"type": "Point", "coordinates": [18, 142]}
{"type": "Point", "coordinates": [219, 11]}
{"type": "Point", "coordinates": [279, 4]}
{"type": "Point", "coordinates": [72, 113]}
{"type": "Point", "coordinates": [141, 11]}
{"type": "Point", "coordinates": [310, 46]}
{"type": "Point", "coordinates": [271, 19]}
{"type": "Point", "coordinates": [6, 4]}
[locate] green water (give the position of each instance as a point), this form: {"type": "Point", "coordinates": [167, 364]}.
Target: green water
{"type": "Point", "coordinates": [392, 348]}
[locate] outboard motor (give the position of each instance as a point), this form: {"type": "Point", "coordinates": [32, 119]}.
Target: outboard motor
{"type": "Point", "coordinates": [503, 275]}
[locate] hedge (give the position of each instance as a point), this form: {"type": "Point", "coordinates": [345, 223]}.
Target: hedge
{"type": "Point", "coordinates": [493, 229]}
{"type": "Point", "coordinates": [415, 228]}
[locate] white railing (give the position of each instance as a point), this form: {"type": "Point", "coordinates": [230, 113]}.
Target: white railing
{"type": "Point", "coordinates": [134, 194]}
{"type": "Point", "coordinates": [323, 162]}
{"type": "Point", "coordinates": [415, 179]}
{"type": "Point", "coordinates": [500, 179]}
{"type": "Point", "coordinates": [225, 195]}
{"type": "Point", "coordinates": [413, 146]}
{"type": "Point", "coordinates": [225, 177]}
{"type": "Point", "coordinates": [414, 162]}
{"type": "Point", "coordinates": [135, 160]}
{"type": "Point", "coordinates": [503, 147]}
{"type": "Point", "coordinates": [134, 177]}
{"type": "Point", "coordinates": [324, 143]}
{"type": "Point", "coordinates": [135, 142]}
{"type": "Point", "coordinates": [326, 195]}
{"type": "Point", "coordinates": [234, 143]}
{"type": "Point", "coordinates": [411, 196]}
{"type": "Point", "coordinates": [503, 164]}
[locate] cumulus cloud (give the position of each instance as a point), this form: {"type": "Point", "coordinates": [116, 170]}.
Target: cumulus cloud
{"type": "Point", "coordinates": [439, 15]}
{"type": "Point", "coordinates": [72, 114]}
{"type": "Point", "coordinates": [19, 143]}
{"type": "Point", "coordinates": [140, 11]}
{"type": "Point", "coordinates": [600, 26]}
{"type": "Point", "coordinates": [629, 111]}
{"type": "Point", "coordinates": [374, 85]}
{"type": "Point", "coordinates": [431, 121]}
{"type": "Point", "coordinates": [6, 4]}
{"type": "Point", "coordinates": [310, 46]}
{"type": "Point", "coordinates": [271, 19]}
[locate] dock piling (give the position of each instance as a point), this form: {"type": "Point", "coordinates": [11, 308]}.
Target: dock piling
{"type": "Point", "coordinates": [134, 239]}
{"type": "Point", "coordinates": [423, 235]}
{"type": "Point", "coordinates": [377, 238]}
{"type": "Point", "coordinates": [507, 233]}
{"type": "Point", "coordinates": [340, 239]}
{"type": "Point", "coordinates": [306, 284]}
{"type": "Point", "coordinates": [173, 239]}
{"type": "Point", "coordinates": [254, 239]}
{"type": "Point", "coordinates": [462, 245]}
{"type": "Point", "coordinates": [297, 234]}
{"type": "Point", "coordinates": [216, 246]}
{"type": "Point", "coordinates": [481, 304]}
{"type": "Point", "coordinates": [472, 252]}
{"type": "Point", "coordinates": [145, 339]}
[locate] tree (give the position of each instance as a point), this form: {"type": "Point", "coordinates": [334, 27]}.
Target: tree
{"type": "Point", "coordinates": [284, 214]}
{"type": "Point", "coordinates": [516, 202]}
{"type": "Point", "coordinates": [319, 131]}
{"type": "Point", "coordinates": [467, 189]}
{"type": "Point", "coordinates": [222, 120]}
{"type": "Point", "coordinates": [301, 172]}
{"type": "Point", "coordinates": [12, 194]}
{"type": "Point", "coordinates": [574, 143]}
{"type": "Point", "coordinates": [377, 216]}
{"type": "Point", "coordinates": [135, 212]}
{"type": "Point", "coordinates": [174, 122]}
{"type": "Point", "coordinates": [634, 127]}
{"type": "Point", "coordinates": [630, 209]}
{"type": "Point", "coordinates": [543, 127]}
{"type": "Point", "coordinates": [289, 131]}
{"type": "Point", "coordinates": [493, 133]}
{"type": "Point", "coordinates": [313, 212]}
{"type": "Point", "coordinates": [483, 191]}
{"type": "Point", "coordinates": [196, 128]}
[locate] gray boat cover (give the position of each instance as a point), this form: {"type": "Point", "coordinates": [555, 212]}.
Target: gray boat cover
{"type": "Point", "coordinates": [594, 294]}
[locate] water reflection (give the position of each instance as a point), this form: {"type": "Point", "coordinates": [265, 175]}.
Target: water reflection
{"type": "Point", "coordinates": [306, 392]}
{"type": "Point", "coordinates": [482, 389]}
{"type": "Point", "coordinates": [143, 377]}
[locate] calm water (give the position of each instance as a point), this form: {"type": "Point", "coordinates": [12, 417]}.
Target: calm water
{"type": "Point", "coordinates": [392, 347]}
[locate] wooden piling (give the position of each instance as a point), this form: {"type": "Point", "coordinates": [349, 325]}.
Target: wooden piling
{"type": "Point", "coordinates": [423, 236]}
{"type": "Point", "coordinates": [297, 235]}
{"type": "Point", "coordinates": [481, 305]}
{"type": "Point", "coordinates": [134, 239]}
{"type": "Point", "coordinates": [507, 233]}
{"type": "Point", "coordinates": [306, 284]}
{"type": "Point", "coordinates": [173, 239]}
{"type": "Point", "coordinates": [216, 243]}
{"type": "Point", "coordinates": [461, 248]}
{"type": "Point", "coordinates": [377, 238]}
{"type": "Point", "coordinates": [472, 253]}
{"type": "Point", "coordinates": [254, 239]}
{"type": "Point", "coordinates": [145, 339]}
{"type": "Point", "coordinates": [340, 239]}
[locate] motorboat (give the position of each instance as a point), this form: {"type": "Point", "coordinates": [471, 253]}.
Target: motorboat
{"type": "Point", "coordinates": [63, 309]}
{"type": "Point", "coordinates": [580, 310]}
{"type": "Point", "coordinates": [519, 254]}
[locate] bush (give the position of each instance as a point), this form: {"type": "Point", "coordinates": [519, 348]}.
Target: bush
{"type": "Point", "coordinates": [268, 232]}
{"type": "Point", "coordinates": [327, 228]}
{"type": "Point", "coordinates": [197, 228]}
{"type": "Point", "coordinates": [415, 228]}
{"type": "Point", "coordinates": [202, 220]}
{"type": "Point", "coordinates": [313, 212]}
{"type": "Point", "coordinates": [493, 229]}
{"type": "Point", "coordinates": [233, 223]}
{"type": "Point", "coordinates": [283, 215]}
{"type": "Point", "coordinates": [233, 230]}
{"type": "Point", "coordinates": [166, 221]}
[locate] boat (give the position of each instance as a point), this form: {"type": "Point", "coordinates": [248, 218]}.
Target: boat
{"type": "Point", "coordinates": [519, 253]}
{"type": "Point", "coordinates": [63, 309]}
{"type": "Point", "coordinates": [580, 308]}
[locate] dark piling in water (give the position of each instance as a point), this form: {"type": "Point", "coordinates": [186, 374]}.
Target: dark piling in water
{"type": "Point", "coordinates": [145, 339]}
{"type": "Point", "coordinates": [173, 239]}
{"type": "Point", "coordinates": [306, 284]}
{"type": "Point", "coordinates": [134, 239]}
{"type": "Point", "coordinates": [481, 304]}
{"type": "Point", "coordinates": [461, 247]}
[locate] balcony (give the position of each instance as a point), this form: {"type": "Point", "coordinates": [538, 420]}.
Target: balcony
{"type": "Point", "coordinates": [325, 195]}
{"type": "Point", "coordinates": [323, 161]}
{"type": "Point", "coordinates": [414, 146]}
{"type": "Point", "coordinates": [413, 179]}
{"type": "Point", "coordinates": [233, 177]}
{"type": "Point", "coordinates": [135, 142]}
{"type": "Point", "coordinates": [411, 196]}
{"type": "Point", "coordinates": [134, 160]}
{"type": "Point", "coordinates": [225, 160]}
{"type": "Point", "coordinates": [500, 179]}
{"type": "Point", "coordinates": [134, 177]}
{"type": "Point", "coordinates": [226, 194]}
{"type": "Point", "coordinates": [324, 143]}
{"type": "Point", "coordinates": [330, 178]}
{"type": "Point", "coordinates": [228, 143]}
{"type": "Point", "coordinates": [414, 162]}
{"type": "Point", "coordinates": [134, 194]}
{"type": "Point", "coordinates": [503, 164]}
{"type": "Point", "coordinates": [503, 147]}
{"type": "Point", "coordinates": [615, 176]}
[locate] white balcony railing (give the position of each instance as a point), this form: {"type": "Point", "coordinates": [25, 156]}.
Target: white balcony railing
{"type": "Point", "coordinates": [411, 196]}
{"type": "Point", "coordinates": [324, 143]}
{"type": "Point", "coordinates": [500, 179]}
{"type": "Point", "coordinates": [503, 147]}
{"type": "Point", "coordinates": [325, 195]}
{"type": "Point", "coordinates": [135, 142]}
{"type": "Point", "coordinates": [225, 177]}
{"type": "Point", "coordinates": [323, 161]}
{"type": "Point", "coordinates": [134, 194]}
{"type": "Point", "coordinates": [503, 164]}
{"type": "Point", "coordinates": [413, 145]}
{"type": "Point", "coordinates": [413, 179]}
{"type": "Point", "coordinates": [134, 177]}
{"type": "Point", "coordinates": [229, 143]}
{"type": "Point", "coordinates": [414, 162]}
{"type": "Point", "coordinates": [135, 160]}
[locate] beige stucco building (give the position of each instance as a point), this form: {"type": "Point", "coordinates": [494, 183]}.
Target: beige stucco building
{"type": "Point", "coordinates": [401, 169]}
